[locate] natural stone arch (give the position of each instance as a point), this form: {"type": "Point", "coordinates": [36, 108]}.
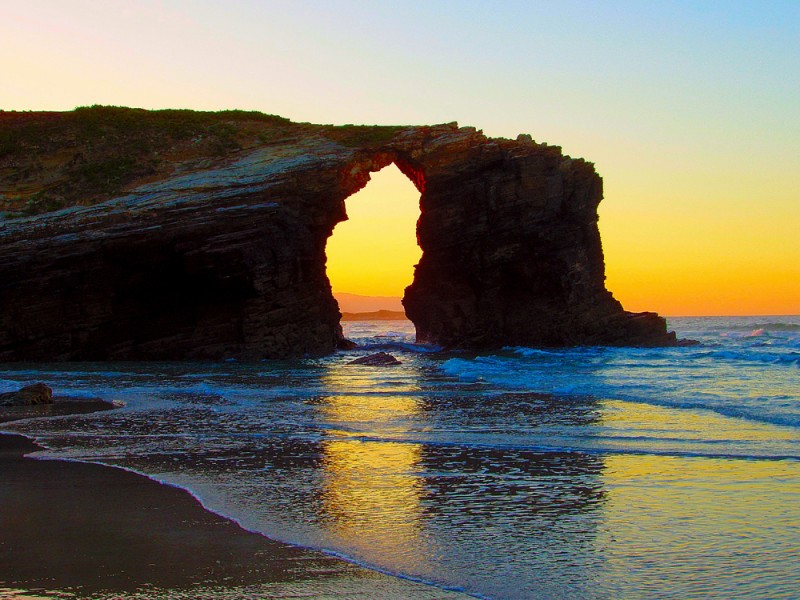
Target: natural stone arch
{"type": "Point", "coordinates": [229, 260]}
{"type": "Point", "coordinates": [511, 251]}
{"type": "Point", "coordinates": [375, 251]}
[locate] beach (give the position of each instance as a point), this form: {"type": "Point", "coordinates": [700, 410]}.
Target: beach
{"type": "Point", "coordinates": [74, 530]}
{"type": "Point", "coordinates": [587, 472]}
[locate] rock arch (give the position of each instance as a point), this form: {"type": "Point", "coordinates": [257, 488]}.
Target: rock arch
{"type": "Point", "coordinates": [229, 260]}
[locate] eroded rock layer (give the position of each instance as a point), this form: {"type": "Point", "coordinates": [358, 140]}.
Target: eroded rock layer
{"type": "Point", "coordinates": [227, 258]}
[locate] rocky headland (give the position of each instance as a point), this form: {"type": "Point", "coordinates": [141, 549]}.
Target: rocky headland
{"type": "Point", "coordinates": [375, 315]}
{"type": "Point", "coordinates": [129, 234]}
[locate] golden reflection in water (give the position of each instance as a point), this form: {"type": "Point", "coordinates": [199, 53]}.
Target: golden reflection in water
{"type": "Point", "coordinates": [371, 492]}
{"type": "Point", "coordinates": [698, 519]}
{"type": "Point", "coordinates": [633, 419]}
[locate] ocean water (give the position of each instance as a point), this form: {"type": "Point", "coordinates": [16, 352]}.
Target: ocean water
{"type": "Point", "coordinates": [524, 473]}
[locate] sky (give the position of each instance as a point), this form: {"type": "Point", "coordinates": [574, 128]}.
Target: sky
{"type": "Point", "coordinates": [378, 239]}
{"type": "Point", "coordinates": [689, 110]}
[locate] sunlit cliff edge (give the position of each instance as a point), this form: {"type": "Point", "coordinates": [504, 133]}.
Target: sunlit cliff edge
{"type": "Point", "coordinates": [132, 234]}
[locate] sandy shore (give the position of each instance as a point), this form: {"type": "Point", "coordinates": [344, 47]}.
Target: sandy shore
{"type": "Point", "coordinates": [71, 529]}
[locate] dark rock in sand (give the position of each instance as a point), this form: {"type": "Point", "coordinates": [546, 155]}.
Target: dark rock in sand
{"type": "Point", "coordinates": [30, 395]}
{"type": "Point", "coordinates": [379, 359]}
{"type": "Point", "coordinates": [226, 258]}
{"type": "Point", "coordinates": [60, 406]}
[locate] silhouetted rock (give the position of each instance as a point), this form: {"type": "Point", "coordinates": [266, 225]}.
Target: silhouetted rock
{"type": "Point", "coordinates": [345, 344]}
{"type": "Point", "coordinates": [38, 393]}
{"type": "Point", "coordinates": [226, 258]}
{"type": "Point", "coordinates": [375, 315]}
{"type": "Point", "coordinates": [379, 359]}
{"type": "Point", "coordinates": [512, 252]}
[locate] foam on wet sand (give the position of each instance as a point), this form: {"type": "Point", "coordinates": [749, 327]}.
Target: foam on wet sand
{"type": "Point", "coordinates": [73, 529]}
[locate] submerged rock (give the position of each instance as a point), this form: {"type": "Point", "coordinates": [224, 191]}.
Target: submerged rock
{"type": "Point", "coordinates": [379, 359]}
{"type": "Point", "coordinates": [30, 395]}
{"type": "Point", "coordinates": [226, 257]}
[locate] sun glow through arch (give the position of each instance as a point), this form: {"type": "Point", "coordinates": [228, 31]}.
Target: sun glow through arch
{"type": "Point", "coordinates": [373, 253]}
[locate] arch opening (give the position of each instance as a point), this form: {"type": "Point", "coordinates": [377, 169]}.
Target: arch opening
{"type": "Point", "coordinates": [371, 255]}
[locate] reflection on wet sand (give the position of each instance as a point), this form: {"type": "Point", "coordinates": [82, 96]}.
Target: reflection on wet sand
{"type": "Point", "coordinates": [428, 477]}
{"type": "Point", "coordinates": [370, 488]}
{"type": "Point", "coordinates": [674, 498]}
{"type": "Point", "coordinates": [433, 510]}
{"type": "Point", "coordinates": [371, 497]}
{"type": "Point", "coordinates": [72, 530]}
{"type": "Point", "coordinates": [524, 515]}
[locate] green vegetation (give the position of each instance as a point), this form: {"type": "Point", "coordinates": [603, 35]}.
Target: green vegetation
{"type": "Point", "coordinates": [51, 160]}
{"type": "Point", "coordinates": [362, 135]}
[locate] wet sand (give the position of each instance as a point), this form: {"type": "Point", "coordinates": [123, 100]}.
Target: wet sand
{"type": "Point", "coordinates": [71, 529]}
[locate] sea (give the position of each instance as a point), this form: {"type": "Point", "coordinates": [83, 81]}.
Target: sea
{"type": "Point", "coordinates": [588, 472]}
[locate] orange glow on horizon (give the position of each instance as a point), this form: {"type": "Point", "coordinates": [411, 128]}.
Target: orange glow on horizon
{"type": "Point", "coordinates": [700, 158]}
{"type": "Point", "coordinates": [373, 253]}
{"type": "Point", "coordinates": [680, 248]}
{"type": "Point", "coordinates": [686, 290]}
{"type": "Point", "coordinates": [656, 258]}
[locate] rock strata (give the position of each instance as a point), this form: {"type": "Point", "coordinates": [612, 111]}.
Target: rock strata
{"type": "Point", "coordinates": [226, 258]}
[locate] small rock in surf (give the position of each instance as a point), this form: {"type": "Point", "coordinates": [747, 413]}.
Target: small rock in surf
{"type": "Point", "coordinates": [379, 359]}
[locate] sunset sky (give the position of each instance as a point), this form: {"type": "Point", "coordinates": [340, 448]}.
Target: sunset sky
{"type": "Point", "coordinates": [690, 110]}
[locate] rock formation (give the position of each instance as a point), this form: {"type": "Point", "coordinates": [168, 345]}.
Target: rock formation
{"type": "Point", "coordinates": [30, 395]}
{"type": "Point", "coordinates": [225, 257]}
{"type": "Point", "coordinates": [379, 359]}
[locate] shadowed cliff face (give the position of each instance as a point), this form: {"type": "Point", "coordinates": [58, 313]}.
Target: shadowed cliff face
{"type": "Point", "coordinates": [227, 258]}
{"type": "Point", "coordinates": [512, 252]}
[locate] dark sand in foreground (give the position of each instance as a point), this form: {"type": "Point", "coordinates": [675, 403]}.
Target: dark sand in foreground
{"type": "Point", "coordinates": [71, 529]}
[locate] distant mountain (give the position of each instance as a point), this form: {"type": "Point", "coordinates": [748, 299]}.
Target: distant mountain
{"type": "Point", "coordinates": [377, 315]}
{"type": "Point", "coordinates": [356, 303]}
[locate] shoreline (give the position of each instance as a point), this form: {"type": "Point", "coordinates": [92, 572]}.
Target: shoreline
{"type": "Point", "coordinates": [73, 529]}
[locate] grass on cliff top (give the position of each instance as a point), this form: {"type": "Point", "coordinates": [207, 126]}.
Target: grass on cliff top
{"type": "Point", "coordinates": [52, 160]}
{"type": "Point", "coordinates": [361, 135]}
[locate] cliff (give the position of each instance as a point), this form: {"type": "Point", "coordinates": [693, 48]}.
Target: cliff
{"type": "Point", "coordinates": [130, 234]}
